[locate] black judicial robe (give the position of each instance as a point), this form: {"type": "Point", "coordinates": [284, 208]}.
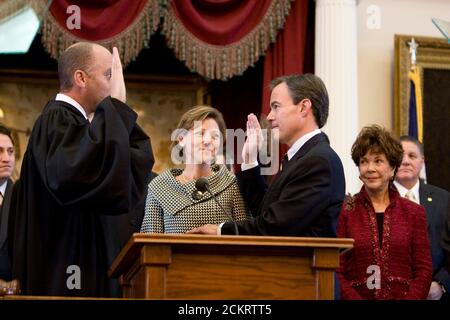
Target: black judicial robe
{"type": "Point", "coordinates": [75, 199]}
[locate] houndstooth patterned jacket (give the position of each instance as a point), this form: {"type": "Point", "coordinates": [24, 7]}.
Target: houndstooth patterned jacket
{"type": "Point", "coordinates": [170, 207]}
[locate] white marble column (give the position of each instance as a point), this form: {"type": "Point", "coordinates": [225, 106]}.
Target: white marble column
{"type": "Point", "coordinates": [336, 64]}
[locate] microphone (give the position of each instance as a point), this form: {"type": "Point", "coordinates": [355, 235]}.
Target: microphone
{"type": "Point", "coordinates": [202, 185]}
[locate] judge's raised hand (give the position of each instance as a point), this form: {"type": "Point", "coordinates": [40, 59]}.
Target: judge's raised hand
{"type": "Point", "coordinates": [205, 229]}
{"type": "Point", "coordinates": [254, 140]}
{"type": "Point", "coordinates": [118, 89]}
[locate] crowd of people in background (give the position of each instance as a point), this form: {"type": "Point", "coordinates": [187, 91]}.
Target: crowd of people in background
{"type": "Point", "coordinates": [86, 185]}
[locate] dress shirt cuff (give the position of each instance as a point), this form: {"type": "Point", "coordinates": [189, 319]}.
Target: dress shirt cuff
{"type": "Point", "coordinates": [219, 229]}
{"type": "Point", "coordinates": [248, 166]}
{"type": "Point", "coordinates": [441, 285]}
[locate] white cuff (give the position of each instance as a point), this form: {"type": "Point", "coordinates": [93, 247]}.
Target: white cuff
{"type": "Point", "coordinates": [248, 166]}
{"type": "Point", "coordinates": [219, 229]}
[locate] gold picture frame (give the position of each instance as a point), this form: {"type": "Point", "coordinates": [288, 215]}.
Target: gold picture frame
{"type": "Point", "coordinates": [431, 53]}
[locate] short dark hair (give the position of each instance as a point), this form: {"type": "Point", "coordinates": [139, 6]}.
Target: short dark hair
{"type": "Point", "coordinates": [378, 140]}
{"type": "Point", "coordinates": [307, 86]}
{"type": "Point", "coordinates": [413, 140]}
{"type": "Point", "coordinates": [7, 132]}
{"type": "Point", "coordinates": [77, 57]}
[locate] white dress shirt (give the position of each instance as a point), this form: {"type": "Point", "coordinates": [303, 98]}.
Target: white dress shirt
{"type": "Point", "coordinates": [2, 192]}
{"type": "Point", "coordinates": [3, 187]}
{"type": "Point", "coordinates": [300, 142]}
{"type": "Point", "coordinates": [415, 190]}
{"type": "Point", "coordinates": [72, 102]}
{"type": "Point", "coordinates": [292, 150]}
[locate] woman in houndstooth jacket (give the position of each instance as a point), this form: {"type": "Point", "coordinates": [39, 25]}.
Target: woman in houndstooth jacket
{"type": "Point", "coordinates": [173, 204]}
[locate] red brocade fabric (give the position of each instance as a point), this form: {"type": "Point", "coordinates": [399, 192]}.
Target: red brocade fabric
{"type": "Point", "coordinates": [404, 258]}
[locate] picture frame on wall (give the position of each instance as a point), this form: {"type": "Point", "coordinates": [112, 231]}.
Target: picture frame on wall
{"type": "Point", "coordinates": [433, 67]}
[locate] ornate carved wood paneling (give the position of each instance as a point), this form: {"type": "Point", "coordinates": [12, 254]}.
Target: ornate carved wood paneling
{"type": "Point", "coordinates": [159, 100]}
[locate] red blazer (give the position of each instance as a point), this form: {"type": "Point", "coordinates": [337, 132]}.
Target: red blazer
{"type": "Point", "coordinates": [404, 259]}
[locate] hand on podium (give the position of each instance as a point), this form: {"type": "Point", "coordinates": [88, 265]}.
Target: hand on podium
{"type": "Point", "coordinates": [205, 229]}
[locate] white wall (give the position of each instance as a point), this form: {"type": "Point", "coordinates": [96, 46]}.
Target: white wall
{"type": "Point", "coordinates": [376, 51]}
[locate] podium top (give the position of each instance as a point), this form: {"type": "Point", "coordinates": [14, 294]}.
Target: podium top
{"type": "Point", "coordinates": [182, 238]}
{"type": "Point", "coordinates": [138, 240]}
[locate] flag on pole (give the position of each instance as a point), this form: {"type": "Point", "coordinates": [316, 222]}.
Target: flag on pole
{"type": "Point", "coordinates": [415, 124]}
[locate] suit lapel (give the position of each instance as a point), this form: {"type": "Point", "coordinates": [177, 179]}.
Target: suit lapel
{"type": "Point", "coordinates": [317, 139]}
{"type": "Point", "coordinates": [425, 196]}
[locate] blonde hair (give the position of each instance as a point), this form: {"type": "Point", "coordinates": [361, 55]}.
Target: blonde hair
{"type": "Point", "coordinates": [200, 113]}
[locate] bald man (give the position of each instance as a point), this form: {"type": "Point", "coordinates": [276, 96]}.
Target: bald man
{"type": "Point", "coordinates": [86, 166]}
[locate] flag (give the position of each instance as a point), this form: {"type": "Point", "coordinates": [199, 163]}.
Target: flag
{"type": "Point", "coordinates": [415, 124]}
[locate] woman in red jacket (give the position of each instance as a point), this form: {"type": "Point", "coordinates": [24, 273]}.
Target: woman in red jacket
{"type": "Point", "coordinates": [391, 254]}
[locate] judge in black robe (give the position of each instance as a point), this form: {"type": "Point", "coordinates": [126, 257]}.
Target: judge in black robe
{"type": "Point", "coordinates": [74, 176]}
{"type": "Point", "coordinates": [75, 199]}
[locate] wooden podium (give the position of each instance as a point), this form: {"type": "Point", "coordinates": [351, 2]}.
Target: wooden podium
{"type": "Point", "coordinates": [180, 266]}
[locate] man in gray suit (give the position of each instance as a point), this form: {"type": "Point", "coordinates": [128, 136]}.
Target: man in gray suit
{"type": "Point", "coordinates": [7, 161]}
{"type": "Point", "coordinates": [435, 201]}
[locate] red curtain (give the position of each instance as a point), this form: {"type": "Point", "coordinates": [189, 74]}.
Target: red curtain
{"type": "Point", "coordinates": [100, 19]}
{"type": "Point", "coordinates": [287, 55]}
{"type": "Point", "coordinates": [222, 38]}
{"type": "Point", "coordinates": [220, 23]}
{"type": "Point", "coordinates": [218, 39]}
{"type": "Point", "coordinates": [122, 23]}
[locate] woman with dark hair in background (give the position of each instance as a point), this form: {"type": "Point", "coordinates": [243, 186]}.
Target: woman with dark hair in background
{"type": "Point", "coordinates": [391, 254]}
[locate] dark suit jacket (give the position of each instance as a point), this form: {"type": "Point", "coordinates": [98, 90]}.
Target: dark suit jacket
{"type": "Point", "coordinates": [436, 201]}
{"type": "Point", "coordinates": [446, 239]}
{"type": "Point", "coordinates": [304, 200]}
{"type": "Point", "coordinates": [5, 265]}
{"type": "Point", "coordinates": [118, 230]}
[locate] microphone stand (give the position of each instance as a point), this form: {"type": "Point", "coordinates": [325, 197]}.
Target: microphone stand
{"type": "Point", "coordinates": [223, 209]}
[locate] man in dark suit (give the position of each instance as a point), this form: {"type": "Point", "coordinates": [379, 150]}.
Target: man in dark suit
{"type": "Point", "coordinates": [7, 161]}
{"type": "Point", "coordinates": [446, 241]}
{"type": "Point", "coordinates": [306, 196]}
{"type": "Point", "coordinates": [435, 201]}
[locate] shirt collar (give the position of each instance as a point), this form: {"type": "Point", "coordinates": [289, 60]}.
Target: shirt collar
{"type": "Point", "coordinates": [300, 142]}
{"type": "Point", "coordinates": [72, 102]}
{"type": "Point", "coordinates": [402, 190]}
{"type": "Point", "coordinates": [3, 187]}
